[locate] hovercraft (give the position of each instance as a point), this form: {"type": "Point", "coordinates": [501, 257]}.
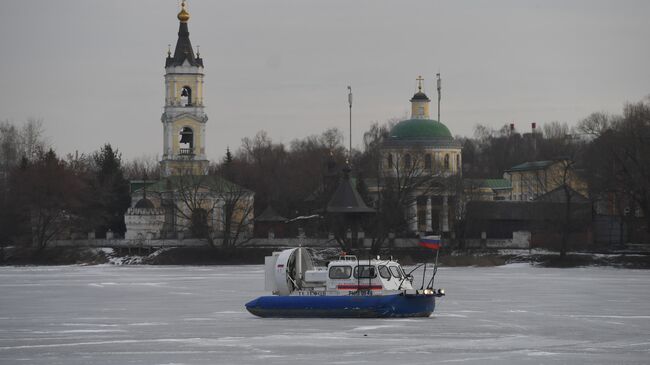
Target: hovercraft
{"type": "Point", "coordinates": [347, 288]}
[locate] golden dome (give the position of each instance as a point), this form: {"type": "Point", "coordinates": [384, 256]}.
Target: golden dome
{"type": "Point", "coordinates": [183, 16]}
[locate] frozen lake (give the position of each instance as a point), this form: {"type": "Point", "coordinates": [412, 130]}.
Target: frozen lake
{"type": "Point", "coordinates": [514, 314]}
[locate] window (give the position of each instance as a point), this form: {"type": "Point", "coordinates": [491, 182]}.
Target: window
{"type": "Point", "coordinates": [390, 161]}
{"type": "Point", "coordinates": [407, 161]}
{"type": "Point", "coordinates": [447, 161]}
{"type": "Point", "coordinates": [427, 161]}
{"type": "Point", "coordinates": [186, 96]}
{"type": "Point", "coordinates": [367, 272]}
{"type": "Point", "coordinates": [384, 272]}
{"type": "Point", "coordinates": [340, 272]}
{"type": "Point", "coordinates": [186, 142]}
{"type": "Point", "coordinates": [458, 162]}
{"type": "Point", "coordinates": [396, 272]}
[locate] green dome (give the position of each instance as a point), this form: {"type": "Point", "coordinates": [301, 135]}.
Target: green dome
{"type": "Point", "coordinates": [420, 129]}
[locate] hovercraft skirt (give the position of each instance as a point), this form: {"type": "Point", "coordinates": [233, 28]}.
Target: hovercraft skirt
{"type": "Point", "coordinates": [343, 306]}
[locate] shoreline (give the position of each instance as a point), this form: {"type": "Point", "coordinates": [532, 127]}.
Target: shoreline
{"type": "Point", "coordinates": [203, 256]}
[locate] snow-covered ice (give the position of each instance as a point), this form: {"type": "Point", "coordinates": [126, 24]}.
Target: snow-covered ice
{"type": "Point", "coordinates": [514, 314]}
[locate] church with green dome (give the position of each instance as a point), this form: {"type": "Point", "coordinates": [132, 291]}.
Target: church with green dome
{"type": "Point", "coordinates": [423, 148]}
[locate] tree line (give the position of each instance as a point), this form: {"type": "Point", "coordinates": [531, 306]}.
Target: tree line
{"type": "Point", "coordinates": [44, 194]}
{"type": "Point", "coordinates": [90, 192]}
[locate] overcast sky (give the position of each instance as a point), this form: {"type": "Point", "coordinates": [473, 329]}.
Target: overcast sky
{"type": "Point", "coordinates": [93, 70]}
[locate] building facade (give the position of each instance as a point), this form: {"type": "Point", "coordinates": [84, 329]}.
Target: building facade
{"type": "Point", "coordinates": [531, 180]}
{"type": "Point", "coordinates": [421, 152]}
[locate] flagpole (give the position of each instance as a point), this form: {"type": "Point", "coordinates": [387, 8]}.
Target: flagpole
{"type": "Point", "coordinates": [350, 103]}
{"type": "Point", "coordinates": [424, 275]}
{"type": "Point", "coordinates": [435, 243]}
{"type": "Point", "coordinates": [435, 267]}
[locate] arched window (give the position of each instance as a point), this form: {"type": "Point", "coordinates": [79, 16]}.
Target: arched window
{"type": "Point", "coordinates": [446, 161]}
{"type": "Point", "coordinates": [186, 141]}
{"type": "Point", "coordinates": [390, 161]}
{"type": "Point", "coordinates": [186, 96]}
{"type": "Point", "coordinates": [427, 161]}
{"type": "Point", "coordinates": [407, 161]}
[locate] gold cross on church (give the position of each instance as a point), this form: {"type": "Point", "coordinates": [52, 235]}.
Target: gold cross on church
{"type": "Point", "coordinates": [420, 79]}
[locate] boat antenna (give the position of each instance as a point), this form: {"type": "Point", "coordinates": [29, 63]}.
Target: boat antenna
{"type": "Point", "coordinates": [370, 268]}
{"type": "Point", "coordinates": [358, 275]}
{"type": "Point", "coordinates": [424, 275]}
{"type": "Point", "coordinates": [435, 270]}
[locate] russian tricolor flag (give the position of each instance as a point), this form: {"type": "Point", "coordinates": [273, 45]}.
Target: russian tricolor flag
{"type": "Point", "coordinates": [432, 242]}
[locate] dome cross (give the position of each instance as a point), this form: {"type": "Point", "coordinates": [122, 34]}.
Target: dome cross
{"type": "Point", "coordinates": [419, 80]}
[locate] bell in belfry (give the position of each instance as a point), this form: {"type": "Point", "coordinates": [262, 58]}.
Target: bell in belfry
{"type": "Point", "coordinates": [187, 136]}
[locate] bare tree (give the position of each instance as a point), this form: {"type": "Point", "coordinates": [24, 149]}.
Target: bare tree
{"type": "Point", "coordinates": [32, 138]}
{"type": "Point", "coordinates": [237, 211]}
{"type": "Point", "coordinates": [595, 124]}
{"type": "Point", "coordinates": [619, 161]}
{"type": "Point", "coordinates": [556, 130]}
{"type": "Point", "coordinates": [564, 179]}
{"type": "Point", "coordinates": [192, 202]}
{"type": "Point", "coordinates": [212, 208]}
{"type": "Point", "coordinates": [331, 139]}
{"type": "Point", "coordinates": [54, 196]}
{"type": "Point", "coordinates": [17, 143]}
{"type": "Point", "coordinates": [406, 177]}
{"type": "Point", "coordinates": [144, 167]}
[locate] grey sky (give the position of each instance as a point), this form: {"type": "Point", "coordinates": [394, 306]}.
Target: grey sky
{"type": "Point", "coordinates": [93, 70]}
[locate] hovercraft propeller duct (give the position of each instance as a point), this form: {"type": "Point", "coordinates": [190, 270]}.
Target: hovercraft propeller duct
{"type": "Point", "coordinates": [286, 271]}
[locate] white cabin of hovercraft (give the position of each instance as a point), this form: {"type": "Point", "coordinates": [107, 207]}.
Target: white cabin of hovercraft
{"type": "Point", "coordinates": [292, 272]}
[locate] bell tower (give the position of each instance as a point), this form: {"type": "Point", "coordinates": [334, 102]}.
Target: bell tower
{"type": "Point", "coordinates": [184, 118]}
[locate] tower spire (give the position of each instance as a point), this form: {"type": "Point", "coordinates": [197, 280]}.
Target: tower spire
{"type": "Point", "coordinates": [183, 51]}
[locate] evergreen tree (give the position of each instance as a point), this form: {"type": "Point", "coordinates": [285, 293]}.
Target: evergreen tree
{"type": "Point", "coordinates": [228, 159]}
{"type": "Point", "coordinates": [112, 189]}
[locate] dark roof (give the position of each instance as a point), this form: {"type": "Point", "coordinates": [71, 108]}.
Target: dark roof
{"type": "Point", "coordinates": [139, 184]}
{"type": "Point", "coordinates": [558, 195]}
{"type": "Point", "coordinates": [420, 96]}
{"type": "Point", "coordinates": [346, 199]}
{"type": "Point", "coordinates": [183, 50]}
{"type": "Point", "coordinates": [531, 166]}
{"type": "Point", "coordinates": [144, 203]}
{"type": "Point", "coordinates": [270, 215]}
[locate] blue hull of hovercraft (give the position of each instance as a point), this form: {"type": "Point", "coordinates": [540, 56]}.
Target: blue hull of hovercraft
{"type": "Point", "coordinates": [343, 306]}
